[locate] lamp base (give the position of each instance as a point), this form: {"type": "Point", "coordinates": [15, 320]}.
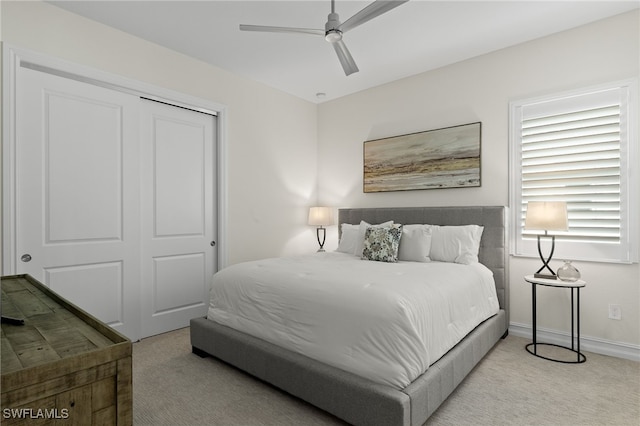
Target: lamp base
{"type": "Point", "coordinates": [321, 230]}
{"type": "Point", "coordinates": [321, 250]}
{"type": "Point", "coordinates": [545, 276]}
{"type": "Point", "coordinates": [545, 263]}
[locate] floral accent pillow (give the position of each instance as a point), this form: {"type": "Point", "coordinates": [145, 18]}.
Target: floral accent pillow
{"type": "Point", "coordinates": [381, 244]}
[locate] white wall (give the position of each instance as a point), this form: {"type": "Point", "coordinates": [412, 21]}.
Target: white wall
{"type": "Point", "coordinates": [480, 90]}
{"type": "Point", "coordinates": [268, 193]}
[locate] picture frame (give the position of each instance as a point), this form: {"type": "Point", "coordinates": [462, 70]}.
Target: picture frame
{"type": "Point", "coordinates": [448, 157]}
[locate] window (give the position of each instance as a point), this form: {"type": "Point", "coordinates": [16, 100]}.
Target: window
{"type": "Point", "coordinates": [578, 147]}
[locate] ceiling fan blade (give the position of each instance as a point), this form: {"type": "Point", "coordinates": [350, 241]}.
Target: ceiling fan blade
{"type": "Point", "coordinates": [346, 60]}
{"type": "Point", "coordinates": [268, 29]}
{"type": "Point", "coordinates": [373, 10]}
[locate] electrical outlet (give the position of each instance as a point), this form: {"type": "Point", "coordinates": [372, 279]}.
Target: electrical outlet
{"type": "Point", "coordinates": [615, 312]}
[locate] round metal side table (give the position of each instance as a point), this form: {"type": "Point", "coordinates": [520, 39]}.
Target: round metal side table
{"type": "Point", "coordinates": [574, 287]}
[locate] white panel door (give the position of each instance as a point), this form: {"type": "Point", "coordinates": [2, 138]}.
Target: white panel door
{"type": "Point", "coordinates": [178, 211]}
{"type": "Point", "coordinates": [77, 194]}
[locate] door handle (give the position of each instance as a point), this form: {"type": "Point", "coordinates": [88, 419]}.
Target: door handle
{"type": "Point", "coordinates": [25, 257]}
{"type": "Point", "coordinates": [213, 243]}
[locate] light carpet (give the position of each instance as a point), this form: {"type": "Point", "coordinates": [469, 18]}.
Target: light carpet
{"type": "Point", "coordinates": [172, 386]}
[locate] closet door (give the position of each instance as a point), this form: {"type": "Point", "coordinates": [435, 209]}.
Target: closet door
{"type": "Point", "coordinates": [77, 194]}
{"type": "Point", "coordinates": [178, 215]}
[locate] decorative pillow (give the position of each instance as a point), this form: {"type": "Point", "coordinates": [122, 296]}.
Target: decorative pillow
{"type": "Point", "coordinates": [381, 244]}
{"type": "Point", "coordinates": [415, 243]}
{"type": "Point", "coordinates": [348, 238]}
{"type": "Point", "coordinates": [362, 229]}
{"type": "Point", "coordinates": [459, 244]}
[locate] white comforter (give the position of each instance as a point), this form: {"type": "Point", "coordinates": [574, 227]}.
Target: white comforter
{"type": "Point", "coordinates": [384, 321]}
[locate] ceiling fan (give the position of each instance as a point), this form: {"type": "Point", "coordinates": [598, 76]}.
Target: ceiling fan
{"type": "Point", "coordinates": [334, 29]}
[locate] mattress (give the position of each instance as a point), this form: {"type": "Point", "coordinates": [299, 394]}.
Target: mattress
{"type": "Point", "coordinates": [387, 322]}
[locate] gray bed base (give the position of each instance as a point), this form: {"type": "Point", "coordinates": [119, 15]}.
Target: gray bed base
{"type": "Point", "coordinates": [355, 399]}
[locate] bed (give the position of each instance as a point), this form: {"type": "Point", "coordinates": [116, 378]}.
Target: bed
{"type": "Point", "coordinates": [370, 401]}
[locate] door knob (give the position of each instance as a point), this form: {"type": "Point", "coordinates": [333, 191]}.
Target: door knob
{"type": "Point", "coordinates": [213, 243]}
{"type": "Point", "coordinates": [25, 257]}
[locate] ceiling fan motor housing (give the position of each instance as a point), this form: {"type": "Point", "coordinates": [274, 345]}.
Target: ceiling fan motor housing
{"type": "Point", "coordinates": [332, 33]}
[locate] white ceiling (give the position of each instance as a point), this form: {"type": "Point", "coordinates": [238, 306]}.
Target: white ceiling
{"type": "Point", "coordinates": [415, 37]}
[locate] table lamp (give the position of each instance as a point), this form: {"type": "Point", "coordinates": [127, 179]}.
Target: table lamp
{"type": "Point", "coordinates": [320, 217]}
{"type": "Point", "coordinates": [546, 216]}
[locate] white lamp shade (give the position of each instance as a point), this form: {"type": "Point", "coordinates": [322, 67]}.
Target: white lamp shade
{"type": "Point", "coordinates": [321, 216]}
{"type": "Point", "coordinates": [547, 216]}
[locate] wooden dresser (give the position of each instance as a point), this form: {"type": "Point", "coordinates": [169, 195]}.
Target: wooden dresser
{"type": "Point", "coordinates": [63, 366]}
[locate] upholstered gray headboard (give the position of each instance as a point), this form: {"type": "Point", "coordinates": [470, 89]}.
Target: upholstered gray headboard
{"type": "Point", "coordinates": [494, 250]}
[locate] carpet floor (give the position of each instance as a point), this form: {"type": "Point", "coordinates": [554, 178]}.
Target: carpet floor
{"type": "Point", "coordinates": [171, 386]}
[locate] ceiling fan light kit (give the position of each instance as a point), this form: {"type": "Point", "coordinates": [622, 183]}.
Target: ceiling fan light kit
{"type": "Point", "coordinates": [333, 29]}
{"type": "Point", "coordinates": [333, 35]}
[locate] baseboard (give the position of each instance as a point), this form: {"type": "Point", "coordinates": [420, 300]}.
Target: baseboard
{"type": "Point", "coordinates": [587, 343]}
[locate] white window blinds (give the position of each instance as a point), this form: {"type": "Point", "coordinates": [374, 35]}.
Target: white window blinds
{"type": "Point", "coordinates": [575, 148]}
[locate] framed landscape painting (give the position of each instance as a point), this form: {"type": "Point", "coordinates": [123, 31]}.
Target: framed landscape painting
{"type": "Point", "coordinates": [441, 158]}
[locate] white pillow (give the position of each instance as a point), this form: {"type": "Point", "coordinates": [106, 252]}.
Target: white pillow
{"type": "Point", "coordinates": [415, 243]}
{"type": "Point", "coordinates": [459, 244]}
{"type": "Point", "coordinates": [348, 238]}
{"type": "Point", "coordinates": [362, 230]}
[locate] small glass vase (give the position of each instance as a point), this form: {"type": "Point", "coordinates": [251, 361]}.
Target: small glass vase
{"type": "Point", "coordinates": [568, 272]}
